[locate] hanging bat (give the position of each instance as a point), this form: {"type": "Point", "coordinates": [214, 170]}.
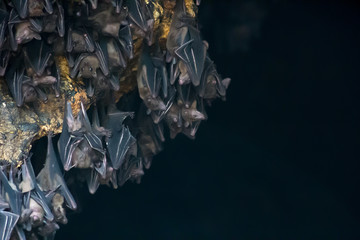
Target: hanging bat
{"type": "Point", "coordinates": [132, 169]}
{"type": "Point", "coordinates": [141, 18]}
{"type": "Point", "coordinates": [121, 140]}
{"type": "Point", "coordinates": [10, 192]}
{"type": "Point", "coordinates": [8, 221]}
{"type": "Point", "coordinates": [53, 22]}
{"type": "Point", "coordinates": [212, 85]}
{"type": "Point", "coordinates": [51, 178]}
{"type": "Point", "coordinates": [79, 41]}
{"type": "Point", "coordinates": [79, 145]}
{"type": "Point", "coordinates": [24, 30]}
{"type": "Point", "coordinates": [105, 19]}
{"type": "Point", "coordinates": [111, 50]}
{"type": "Point", "coordinates": [150, 136]}
{"type": "Point", "coordinates": [37, 202]}
{"type": "Point", "coordinates": [150, 79]}
{"type": "Point", "coordinates": [157, 116]}
{"type": "Point", "coordinates": [87, 64]}
{"type": "Point", "coordinates": [184, 43]}
{"type": "Point", "coordinates": [37, 55]}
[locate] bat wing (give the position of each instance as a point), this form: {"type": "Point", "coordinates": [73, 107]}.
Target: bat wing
{"type": "Point", "coordinates": [93, 140]}
{"type": "Point", "coordinates": [15, 78]}
{"type": "Point", "coordinates": [36, 24]}
{"type": "Point", "coordinates": [136, 15]}
{"type": "Point", "coordinates": [37, 55]}
{"type": "Point", "coordinates": [75, 69]}
{"type": "Point", "coordinates": [3, 203]}
{"type": "Point", "coordinates": [125, 39]}
{"type": "Point", "coordinates": [13, 19]}
{"type": "Point", "coordinates": [162, 75]}
{"type": "Point", "coordinates": [89, 42]}
{"type": "Point", "coordinates": [186, 94]}
{"type": "Point", "coordinates": [148, 73]}
{"type": "Point", "coordinates": [48, 6]}
{"type": "Point", "coordinates": [66, 145]}
{"type": "Point", "coordinates": [4, 61]}
{"type": "Point", "coordinates": [21, 7]}
{"type": "Point", "coordinates": [8, 221]}
{"type": "Point", "coordinates": [12, 195]}
{"type": "Point", "coordinates": [4, 18]}
{"type": "Point", "coordinates": [157, 116]}
{"type": "Point", "coordinates": [104, 65]}
{"type": "Point", "coordinates": [193, 53]}
{"type": "Point", "coordinates": [93, 181]}
{"type": "Point", "coordinates": [69, 44]}
{"type": "Point", "coordinates": [60, 19]}
{"type": "Point", "coordinates": [132, 170]}
{"type": "Point", "coordinates": [118, 145]}
{"type": "Point", "coordinates": [51, 177]}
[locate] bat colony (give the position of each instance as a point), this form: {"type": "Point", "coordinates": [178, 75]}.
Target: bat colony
{"type": "Point", "coordinates": [175, 82]}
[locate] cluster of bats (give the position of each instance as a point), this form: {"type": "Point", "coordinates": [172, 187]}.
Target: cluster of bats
{"type": "Point", "coordinates": [174, 84]}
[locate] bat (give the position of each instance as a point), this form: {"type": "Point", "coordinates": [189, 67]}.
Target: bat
{"type": "Point", "coordinates": [141, 17]}
{"type": "Point", "coordinates": [157, 116]}
{"type": "Point", "coordinates": [132, 169]}
{"type": "Point", "coordinates": [37, 202]}
{"type": "Point", "coordinates": [80, 144]}
{"type": "Point", "coordinates": [37, 55]}
{"type": "Point", "coordinates": [184, 43]}
{"type": "Point", "coordinates": [36, 7]}
{"type": "Point", "coordinates": [79, 41]}
{"type": "Point", "coordinates": [150, 136]}
{"type": "Point", "coordinates": [111, 50]}
{"type": "Point", "coordinates": [24, 30]}
{"type": "Point", "coordinates": [149, 82]}
{"type": "Point", "coordinates": [105, 20]}
{"type": "Point", "coordinates": [87, 64]}
{"type": "Point", "coordinates": [212, 85]}
{"type": "Point", "coordinates": [186, 94]}
{"type": "Point", "coordinates": [121, 140]}
{"type": "Point", "coordinates": [48, 230]}
{"type": "Point", "coordinates": [10, 192]}
{"type": "Point", "coordinates": [8, 221]}
{"type": "Point", "coordinates": [51, 178]}
{"type": "Point", "coordinates": [52, 23]}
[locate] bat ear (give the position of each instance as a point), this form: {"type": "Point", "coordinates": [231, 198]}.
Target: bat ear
{"type": "Point", "coordinates": [193, 105]}
{"type": "Point", "coordinates": [226, 82]}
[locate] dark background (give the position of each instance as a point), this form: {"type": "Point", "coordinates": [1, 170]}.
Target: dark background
{"type": "Point", "coordinates": [278, 160]}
